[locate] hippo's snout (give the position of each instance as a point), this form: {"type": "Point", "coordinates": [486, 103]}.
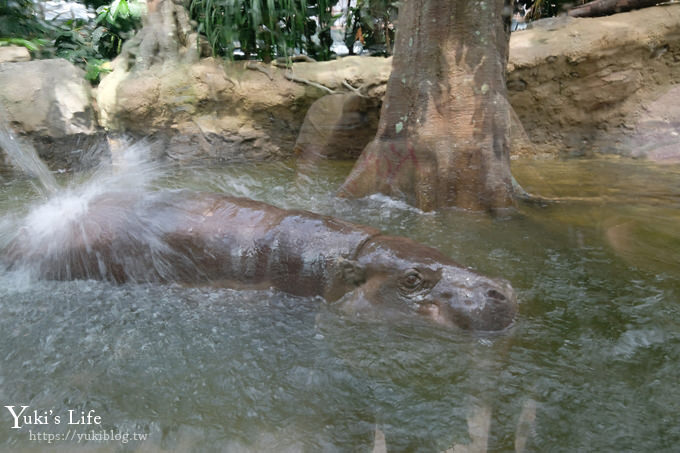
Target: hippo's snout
{"type": "Point", "coordinates": [486, 305]}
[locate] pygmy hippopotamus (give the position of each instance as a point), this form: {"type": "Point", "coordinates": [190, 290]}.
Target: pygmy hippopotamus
{"type": "Point", "coordinates": [214, 239]}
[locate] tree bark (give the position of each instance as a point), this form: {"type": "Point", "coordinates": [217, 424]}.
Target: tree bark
{"type": "Point", "coordinates": [167, 35]}
{"type": "Point", "coordinates": [443, 137]}
{"type": "Point", "coordinates": [607, 7]}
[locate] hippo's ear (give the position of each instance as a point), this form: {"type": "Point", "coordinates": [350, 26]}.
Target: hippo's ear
{"type": "Point", "coordinates": [352, 272]}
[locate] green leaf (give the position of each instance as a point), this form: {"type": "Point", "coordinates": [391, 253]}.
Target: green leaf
{"type": "Point", "coordinates": [32, 45]}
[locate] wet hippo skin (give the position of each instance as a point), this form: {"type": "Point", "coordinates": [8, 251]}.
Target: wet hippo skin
{"type": "Point", "coordinates": [213, 239]}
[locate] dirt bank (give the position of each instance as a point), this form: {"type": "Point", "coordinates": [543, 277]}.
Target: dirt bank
{"type": "Point", "coordinates": [579, 86]}
{"type": "Point", "coordinates": [583, 86]}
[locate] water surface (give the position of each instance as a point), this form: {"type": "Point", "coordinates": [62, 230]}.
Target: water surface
{"type": "Point", "coordinates": [596, 346]}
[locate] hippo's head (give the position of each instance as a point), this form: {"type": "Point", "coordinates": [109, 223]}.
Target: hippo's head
{"type": "Point", "coordinates": [397, 275]}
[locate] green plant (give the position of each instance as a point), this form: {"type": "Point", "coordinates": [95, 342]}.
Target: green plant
{"type": "Point", "coordinates": [90, 45]}
{"type": "Point", "coordinates": [266, 29]}
{"type": "Point", "coordinates": [18, 19]}
{"type": "Point", "coordinates": [34, 44]}
{"type": "Point", "coordinates": [21, 25]}
{"type": "Point", "coordinates": [74, 42]}
{"type": "Point", "coordinates": [95, 67]}
{"type": "Point", "coordinates": [372, 23]}
{"type": "Point", "coordinates": [116, 23]}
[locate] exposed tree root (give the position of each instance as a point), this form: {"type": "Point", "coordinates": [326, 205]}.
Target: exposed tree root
{"type": "Point", "coordinates": [293, 78]}
{"type": "Point", "coordinates": [256, 67]}
{"type": "Point", "coordinates": [285, 62]}
{"type": "Point", "coordinates": [356, 91]}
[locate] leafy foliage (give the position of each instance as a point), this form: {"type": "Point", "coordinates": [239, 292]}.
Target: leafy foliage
{"type": "Point", "coordinates": [33, 45]}
{"type": "Point", "coordinates": [73, 42]}
{"type": "Point", "coordinates": [115, 24]}
{"type": "Point", "coordinates": [88, 44]}
{"type": "Point", "coordinates": [372, 23]}
{"type": "Point", "coordinates": [265, 28]}
{"type": "Point", "coordinates": [20, 25]}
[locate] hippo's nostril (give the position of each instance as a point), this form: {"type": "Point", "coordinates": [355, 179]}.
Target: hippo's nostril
{"type": "Point", "coordinates": [493, 294]}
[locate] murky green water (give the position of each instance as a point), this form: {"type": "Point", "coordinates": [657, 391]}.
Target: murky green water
{"type": "Point", "coordinates": [596, 347]}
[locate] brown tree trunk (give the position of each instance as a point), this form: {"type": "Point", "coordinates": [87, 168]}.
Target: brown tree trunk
{"type": "Point", "coordinates": [606, 7]}
{"type": "Point", "coordinates": [443, 137]}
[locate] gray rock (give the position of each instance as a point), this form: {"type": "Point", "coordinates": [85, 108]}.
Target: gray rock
{"type": "Point", "coordinates": [9, 54]}
{"type": "Point", "coordinates": [47, 98]}
{"type": "Point", "coordinates": [50, 103]}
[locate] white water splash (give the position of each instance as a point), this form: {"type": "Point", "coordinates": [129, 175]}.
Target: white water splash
{"type": "Point", "coordinates": [52, 226]}
{"type": "Point", "coordinates": [45, 220]}
{"type": "Point", "coordinates": [133, 172]}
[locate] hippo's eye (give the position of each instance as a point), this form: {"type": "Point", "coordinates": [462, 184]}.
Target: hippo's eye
{"type": "Point", "coordinates": [412, 280]}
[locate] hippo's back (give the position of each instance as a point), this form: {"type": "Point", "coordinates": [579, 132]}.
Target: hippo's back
{"type": "Point", "coordinates": [192, 238]}
{"type": "Point", "coordinates": [237, 242]}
